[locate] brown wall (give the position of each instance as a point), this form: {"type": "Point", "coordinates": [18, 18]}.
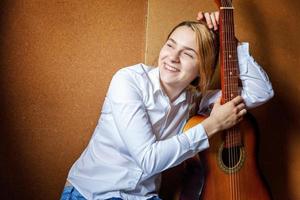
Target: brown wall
{"type": "Point", "coordinates": [57, 58]}
{"type": "Point", "coordinates": [272, 28]}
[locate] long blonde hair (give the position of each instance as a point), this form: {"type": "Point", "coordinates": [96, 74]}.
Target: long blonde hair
{"type": "Point", "coordinates": [208, 45]}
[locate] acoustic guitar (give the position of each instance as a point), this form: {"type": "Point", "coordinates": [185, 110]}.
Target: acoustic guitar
{"type": "Point", "coordinates": [230, 163]}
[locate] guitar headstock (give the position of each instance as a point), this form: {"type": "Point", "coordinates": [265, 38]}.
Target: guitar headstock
{"type": "Point", "coordinates": [224, 3]}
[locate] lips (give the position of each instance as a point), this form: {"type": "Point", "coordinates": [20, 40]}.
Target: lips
{"type": "Point", "coordinates": [171, 68]}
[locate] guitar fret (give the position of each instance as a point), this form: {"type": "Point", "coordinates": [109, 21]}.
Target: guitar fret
{"type": "Point", "coordinates": [231, 86]}
{"type": "Point", "coordinates": [226, 29]}
{"type": "Point", "coordinates": [231, 77]}
{"type": "Point", "coordinates": [232, 41]}
{"type": "Point", "coordinates": [230, 81]}
{"type": "Point", "coordinates": [230, 61]}
{"type": "Point", "coordinates": [231, 46]}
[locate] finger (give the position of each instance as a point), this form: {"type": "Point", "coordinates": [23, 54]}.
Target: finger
{"type": "Point", "coordinates": [242, 113]}
{"type": "Point", "coordinates": [200, 16]}
{"type": "Point", "coordinates": [213, 20]}
{"type": "Point", "coordinates": [240, 119]}
{"type": "Point", "coordinates": [208, 20]}
{"type": "Point", "coordinates": [237, 100]}
{"type": "Point", "coordinates": [240, 107]}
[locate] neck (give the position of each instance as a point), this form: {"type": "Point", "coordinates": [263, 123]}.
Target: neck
{"type": "Point", "coordinates": [171, 92]}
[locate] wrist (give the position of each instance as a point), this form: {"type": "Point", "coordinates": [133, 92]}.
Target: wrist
{"type": "Point", "coordinates": [211, 126]}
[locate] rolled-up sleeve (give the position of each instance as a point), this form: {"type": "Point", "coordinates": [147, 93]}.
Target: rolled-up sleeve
{"type": "Point", "coordinates": [256, 87]}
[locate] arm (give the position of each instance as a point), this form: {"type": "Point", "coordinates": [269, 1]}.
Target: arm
{"type": "Point", "coordinates": [256, 88]}
{"type": "Point", "coordinates": [135, 130]}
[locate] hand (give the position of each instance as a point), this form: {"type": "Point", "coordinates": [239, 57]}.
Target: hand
{"type": "Point", "coordinates": [224, 116]}
{"type": "Point", "coordinates": [212, 19]}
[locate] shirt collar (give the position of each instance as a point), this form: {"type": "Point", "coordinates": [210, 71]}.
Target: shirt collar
{"type": "Point", "coordinates": [180, 98]}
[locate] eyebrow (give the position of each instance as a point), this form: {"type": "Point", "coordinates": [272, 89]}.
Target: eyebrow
{"type": "Point", "coordinates": [185, 47]}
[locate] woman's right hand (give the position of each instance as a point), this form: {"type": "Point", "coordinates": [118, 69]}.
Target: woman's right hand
{"type": "Point", "coordinates": [224, 116]}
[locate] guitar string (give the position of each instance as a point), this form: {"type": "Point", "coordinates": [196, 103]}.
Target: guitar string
{"type": "Point", "coordinates": [231, 89]}
{"type": "Point", "coordinates": [232, 95]}
{"type": "Point", "coordinates": [234, 90]}
{"type": "Point", "coordinates": [231, 140]}
{"type": "Point", "coordinates": [232, 155]}
{"type": "Point", "coordinates": [229, 92]}
{"type": "Point", "coordinates": [226, 87]}
{"type": "Point", "coordinates": [228, 136]}
{"type": "Point", "coordinates": [225, 93]}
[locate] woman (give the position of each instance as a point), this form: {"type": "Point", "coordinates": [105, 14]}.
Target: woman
{"type": "Point", "coordinates": [139, 133]}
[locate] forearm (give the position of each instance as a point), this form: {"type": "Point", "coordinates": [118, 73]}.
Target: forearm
{"type": "Point", "coordinates": [211, 126]}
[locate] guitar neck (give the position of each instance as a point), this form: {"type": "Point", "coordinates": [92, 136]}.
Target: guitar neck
{"type": "Point", "coordinates": [228, 55]}
{"type": "Point", "coordinates": [229, 69]}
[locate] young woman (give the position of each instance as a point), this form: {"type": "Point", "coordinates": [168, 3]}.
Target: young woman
{"type": "Point", "coordinates": [139, 133]}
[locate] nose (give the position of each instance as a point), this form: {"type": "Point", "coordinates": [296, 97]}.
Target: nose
{"type": "Point", "coordinates": [174, 56]}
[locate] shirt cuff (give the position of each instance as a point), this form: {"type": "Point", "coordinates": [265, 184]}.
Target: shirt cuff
{"type": "Point", "coordinates": [197, 138]}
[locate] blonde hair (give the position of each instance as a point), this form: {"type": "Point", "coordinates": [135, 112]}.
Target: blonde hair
{"type": "Point", "coordinates": [208, 51]}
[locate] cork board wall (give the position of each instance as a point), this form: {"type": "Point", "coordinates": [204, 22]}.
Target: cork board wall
{"type": "Point", "coordinates": [57, 58]}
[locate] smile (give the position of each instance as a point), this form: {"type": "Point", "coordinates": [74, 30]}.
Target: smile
{"type": "Point", "coordinates": [170, 68]}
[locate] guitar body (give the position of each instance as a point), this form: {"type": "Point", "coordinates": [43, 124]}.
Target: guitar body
{"type": "Point", "coordinates": [235, 179]}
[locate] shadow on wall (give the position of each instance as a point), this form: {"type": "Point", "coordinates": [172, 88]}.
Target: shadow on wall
{"type": "Point", "coordinates": [10, 171]}
{"type": "Point", "coordinates": [277, 115]}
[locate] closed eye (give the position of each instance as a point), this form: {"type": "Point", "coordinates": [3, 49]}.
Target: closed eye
{"type": "Point", "coordinates": [169, 45]}
{"type": "Point", "coordinates": [188, 54]}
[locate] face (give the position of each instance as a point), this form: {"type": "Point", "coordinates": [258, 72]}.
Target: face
{"type": "Point", "coordinates": [179, 60]}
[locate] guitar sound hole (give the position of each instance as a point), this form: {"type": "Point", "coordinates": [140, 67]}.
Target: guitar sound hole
{"type": "Point", "coordinates": [231, 156]}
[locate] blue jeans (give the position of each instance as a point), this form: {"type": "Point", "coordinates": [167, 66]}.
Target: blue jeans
{"type": "Point", "coordinates": [70, 193]}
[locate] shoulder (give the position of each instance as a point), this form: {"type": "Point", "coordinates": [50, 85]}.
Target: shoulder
{"type": "Point", "coordinates": [133, 72]}
{"type": "Point", "coordinates": [139, 74]}
{"type": "Point", "coordinates": [132, 78]}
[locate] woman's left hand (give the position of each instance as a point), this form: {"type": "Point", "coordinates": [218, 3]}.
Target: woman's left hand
{"type": "Point", "coordinates": [212, 19]}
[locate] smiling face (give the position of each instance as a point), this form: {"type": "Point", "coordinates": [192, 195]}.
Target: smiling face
{"type": "Point", "coordinates": [179, 61]}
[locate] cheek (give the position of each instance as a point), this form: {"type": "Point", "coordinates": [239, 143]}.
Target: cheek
{"type": "Point", "coordinates": [192, 69]}
{"type": "Point", "coordinates": [194, 72]}
{"type": "Point", "coordinates": [163, 52]}
{"type": "Point", "coordinates": [161, 56]}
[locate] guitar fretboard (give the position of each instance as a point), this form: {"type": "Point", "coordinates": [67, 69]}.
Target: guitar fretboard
{"type": "Point", "coordinates": [229, 69]}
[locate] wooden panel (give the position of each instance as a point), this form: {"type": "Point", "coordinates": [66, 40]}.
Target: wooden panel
{"type": "Point", "coordinates": [272, 29]}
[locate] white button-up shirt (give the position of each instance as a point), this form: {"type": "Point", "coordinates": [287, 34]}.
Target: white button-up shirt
{"type": "Point", "coordinates": [139, 133]}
